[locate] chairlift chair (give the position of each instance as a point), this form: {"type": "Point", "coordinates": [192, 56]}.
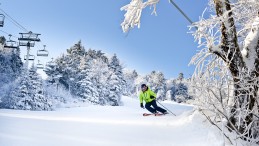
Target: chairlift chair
{"type": "Point", "coordinates": [43, 52]}
{"type": "Point", "coordinates": [10, 43]}
{"type": "Point", "coordinates": [39, 65]}
{"type": "Point", "coordinates": [50, 62]}
{"type": "Point", "coordinates": [31, 57]}
{"type": "Point", "coordinates": [30, 44]}
{"type": "Point", "coordinates": [2, 17]}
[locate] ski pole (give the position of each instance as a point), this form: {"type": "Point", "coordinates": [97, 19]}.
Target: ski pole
{"type": "Point", "coordinates": [166, 108]}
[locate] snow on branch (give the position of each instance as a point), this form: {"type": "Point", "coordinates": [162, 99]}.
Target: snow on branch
{"type": "Point", "coordinates": [251, 44]}
{"type": "Point", "coordinates": [134, 11]}
{"type": "Point", "coordinates": [207, 33]}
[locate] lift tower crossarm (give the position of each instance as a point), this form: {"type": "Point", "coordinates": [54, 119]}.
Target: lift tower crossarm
{"type": "Point", "coordinates": [29, 37]}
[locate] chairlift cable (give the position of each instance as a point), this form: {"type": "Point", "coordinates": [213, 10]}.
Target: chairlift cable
{"type": "Point", "coordinates": [14, 21]}
{"type": "Point", "coordinates": [8, 33]}
{"type": "Point", "coordinates": [181, 11]}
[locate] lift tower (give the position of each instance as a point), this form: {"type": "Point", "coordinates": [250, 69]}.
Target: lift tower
{"type": "Point", "coordinates": [28, 40]}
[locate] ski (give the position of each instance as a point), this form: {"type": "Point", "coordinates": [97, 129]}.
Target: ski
{"type": "Point", "coordinates": [149, 114]}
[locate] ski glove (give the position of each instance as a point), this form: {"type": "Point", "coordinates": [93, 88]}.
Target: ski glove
{"type": "Point", "coordinates": [152, 97]}
{"type": "Point", "coordinates": [141, 105]}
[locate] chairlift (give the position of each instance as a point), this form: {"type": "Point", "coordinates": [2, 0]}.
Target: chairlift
{"type": "Point", "coordinates": [31, 57]}
{"type": "Point", "coordinates": [50, 62]}
{"type": "Point", "coordinates": [39, 65]}
{"type": "Point", "coordinates": [43, 52]}
{"type": "Point", "coordinates": [2, 17]}
{"type": "Point", "coordinates": [29, 37]}
{"type": "Point", "coordinates": [10, 43]}
{"type": "Point", "coordinates": [30, 44]}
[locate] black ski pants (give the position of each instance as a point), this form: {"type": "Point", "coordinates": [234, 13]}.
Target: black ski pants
{"type": "Point", "coordinates": [154, 107]}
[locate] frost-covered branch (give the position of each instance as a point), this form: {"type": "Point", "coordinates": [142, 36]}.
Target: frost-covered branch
{"type": "Point", "coordinates": [250, 52]}
{"type": "Point", "coordinates": [215, 97]}
{"type": "Point", "coordinates": [134, 11]}
{"type": "Point", "coordinates": [209, 119]}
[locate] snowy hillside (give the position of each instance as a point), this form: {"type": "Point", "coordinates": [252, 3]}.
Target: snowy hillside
{"type": "Point", "coordinates": [107, 125]}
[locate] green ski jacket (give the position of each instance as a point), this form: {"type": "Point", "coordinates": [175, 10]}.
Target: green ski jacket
{"type": "Point", "coordinates": [146, 96]}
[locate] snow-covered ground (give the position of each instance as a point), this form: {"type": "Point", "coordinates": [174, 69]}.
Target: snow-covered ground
{"type": "Point", "coordinates": [107, 126]}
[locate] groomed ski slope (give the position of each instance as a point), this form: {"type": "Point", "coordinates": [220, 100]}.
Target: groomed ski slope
{"type": "Point", "coordinates": [107, 126]}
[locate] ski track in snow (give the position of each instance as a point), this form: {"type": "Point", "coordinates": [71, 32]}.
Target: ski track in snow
{"type": "Point", "coordinates": [108, 126]}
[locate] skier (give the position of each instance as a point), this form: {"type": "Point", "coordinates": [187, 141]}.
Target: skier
{"type": "Point", "coordinates": [150, 99]}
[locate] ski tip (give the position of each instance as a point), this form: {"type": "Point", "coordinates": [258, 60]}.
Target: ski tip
{"type": "Point", "coordinates": [149, 114]}
{"type": "Point", "coordinates": [159, 114]}
{"type": "Point", "coordinates": [146, 114]}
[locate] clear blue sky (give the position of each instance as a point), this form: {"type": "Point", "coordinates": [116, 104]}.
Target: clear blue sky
{"type": "Point", "coordinates": [162, 43]}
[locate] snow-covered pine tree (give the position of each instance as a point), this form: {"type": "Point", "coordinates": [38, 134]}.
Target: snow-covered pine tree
{"type": "Point", "coordinates": [2, 41]}
{"type": "Point", "coordinates": [76, 50]}
{"type": "Point", "coordinates": [100, 74]}
{"type": "Point", "coordinates": [130, 77]}
{"type": "Point", "coordinates": [52, 70]}
{"type": "Point", "coordinates": [116, 81]}
{"type": "Point", "coordinates": [97, 55]}
{"type": "Point", "coordinates": [17, 96]}
{"type": "Point", "coordinates": [178, 89]}
{"type": "Point", "coordinates": [53, 87]}
{"type": "Point", "coordinates": [39, 101]}
{"type": "Point", "coordinates": [156, 81]}
{"type": "Point", "coordinates": [10, 64]}
{"type": "Point", "coordinates": [181, 93]}
{"type": "Point", "coordinates": [70, 63]}
{"type": "Point", "coordinates": [5, 69]}
{"type": "Point", "coordinates": [170, 83]}
{"type": "Point", "coordinates": [62, 76]}
{"type": "Point", "coordinates": [26, 93]}
{"type": "Point", "coordinates": [10, 68]}
{"type": "Point", "coordinates": [85, 87]}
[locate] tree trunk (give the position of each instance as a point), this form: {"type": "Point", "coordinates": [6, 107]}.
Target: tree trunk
{"type": "Point", "coordinates": [242, 112]}
{"type": "Point", "coordinates": [245, 82]}
{"type": "Point", "coordinates": [230, 51]}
